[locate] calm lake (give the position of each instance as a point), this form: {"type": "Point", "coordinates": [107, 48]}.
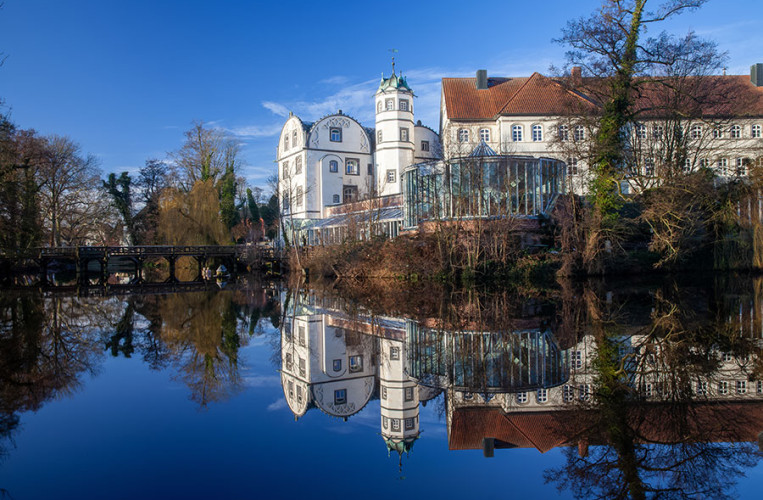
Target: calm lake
{"type": "Point", "coordinates": [602, 389]}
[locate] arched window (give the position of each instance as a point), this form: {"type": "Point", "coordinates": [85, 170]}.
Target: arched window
{"type": "Point", "coordinates": [485, 134]}
{"type": "Point", "coordinates": [736, 131]}
{"type": "Point", "coordinates": [516, 133]}
{"type": "Point", "coordinates": [521, 398]}
{"type": "Point", "coordinates": [564, 133]}
{"type": "Point", "coordinates": [463, 135]}
{"type": "Point", "coordinates": [695, 132]}
{"type": "Point", "coordinates": [542, 396]}
{"type": "Point", "coordinates": [379, 107]}
{"type": "Point", "coordinates": [537, 133]}
{"type": "Point", "coordinates": [286, 142]}
{"type": "Point", "coordinates": [294, 139]}
{"type": "Point", "coordinates": [755, 132]}
{"type": "Point", "coordinates": [298, 165]}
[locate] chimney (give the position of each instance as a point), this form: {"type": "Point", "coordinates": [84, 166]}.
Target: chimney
{"type": "Point", "coordinates": [481, 79]}
{"type": "Point", "coordinates": [576, 75]}
{"type": "Point", "coordinates": [756, 74]}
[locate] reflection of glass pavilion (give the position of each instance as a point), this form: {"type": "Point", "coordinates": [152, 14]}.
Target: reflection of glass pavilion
{"type": "Point", "coordinates": [486, 362]}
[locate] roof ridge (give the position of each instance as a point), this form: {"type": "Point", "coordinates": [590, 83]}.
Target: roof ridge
{"type": "Point", "coordinates": [517, 92]}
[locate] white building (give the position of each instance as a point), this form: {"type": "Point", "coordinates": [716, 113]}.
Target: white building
{"type": "Point", "coordinates": [336, 160]}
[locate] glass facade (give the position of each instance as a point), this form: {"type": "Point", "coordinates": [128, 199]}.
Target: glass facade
{"type": "Point", "coordinates": [482, 186]}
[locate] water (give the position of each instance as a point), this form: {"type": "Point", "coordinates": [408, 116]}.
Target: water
{"type": "Point", "coordinates": [584, 390]}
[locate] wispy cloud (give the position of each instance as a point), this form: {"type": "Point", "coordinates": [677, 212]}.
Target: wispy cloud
{"type": "Point", "coordinates": [276, 108]}
{"type": "Point", "coordinates": [252, 131]}
{"type": "Point", "coordinates": [262, 381]}
{"type": "Point", "coordinates": [334, 80]}
{"type": "Point", "coordinates": [278, 404]}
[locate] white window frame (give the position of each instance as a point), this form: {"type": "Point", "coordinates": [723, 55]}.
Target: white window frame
{"type": "Point", "coordinates": [485, 134]}
{"type": "Point", "coordinates": [391, 176]}
{"type": "Point", "coordinates": [340, 397]}
{"type": "Point", "coordinates": [517, 131]}
{"type": "Point", "coordinates": [335, 134]}
{"type": "Point", "coordinates": [735, 132]}
{"type": "Point", "coordinates": [579, 133]}
{"type": "Point", "coordinates": [542, 396]}
{"type": "Point", "coordinates": [564, 133]}
{"type": "Point", "coordinates": [756, 131]}
{"type": "Point", "coordinates": [349, 163]}
{"type": "Point", "coordinates": [403, 103]}
{"type": "Point", "coordinates": [463, 135]}
{"type": "Point", "coordinates": [522, 397]}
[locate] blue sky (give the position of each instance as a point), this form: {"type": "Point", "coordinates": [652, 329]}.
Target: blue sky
{"type": "Point", "coordinates": [125, 79]}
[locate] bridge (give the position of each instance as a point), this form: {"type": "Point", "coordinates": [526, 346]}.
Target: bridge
{"type": "Point", "coordinates": [232, 256]}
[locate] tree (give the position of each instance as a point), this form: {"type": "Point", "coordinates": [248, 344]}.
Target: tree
{"type": "Point", "coordinates": [119, 191]}
{"type": "Point", "coordinates": [66, 177]}
{"type": "Point", "coordinates": [192, 218]}
{"type": "Point", "coordinates": [609, 45]}
{"type": "Point", "coordinates": [207, 153]}
{"type": "Point", "coordinates": [152, 180]}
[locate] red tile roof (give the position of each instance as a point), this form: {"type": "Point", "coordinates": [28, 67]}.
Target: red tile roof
{"type": "Point", "coordinates": [731, 95]}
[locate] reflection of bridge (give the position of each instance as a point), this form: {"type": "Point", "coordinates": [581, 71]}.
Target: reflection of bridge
{"type": "Point", "coordinates": [109, 290]}
{"type": "Point", "coordinates": [83, 256]}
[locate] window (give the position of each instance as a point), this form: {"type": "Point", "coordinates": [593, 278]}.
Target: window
{"type": "Point", "coordinates": [333, 166]}
{"type": "Point", "coordinates": [463, 135]}
{"type": "Point", "coordinates": [340, 396]}
{"type": "Point", "coordinates": [298, 165]}
{"type": "Point", "coordinates": [717, 133]}
{"type": "Point", "coordinates": [287, 331]}
{"type": "Point", "coordinates": [468, 396]}
{"type": "Point", "coordinates": [687, 165]}
{"type": "Point", "coordinates": [300, 196]}
{"type": "Point", "coordinates": [409, 393]}
{"type": "Point", "coordinates": [741, 387]}
{"type": "Point", "coordinates": [727, 357]}
{"type": "Point", "coordinates": [641, 131]}
{"type": "Point", "coordinates": [286, 142]}
{"type": "Point", "coordinates": [568, 393]}
{"type": "Point", "coordinates": [723, 166]}
{"type": "Point", "coordinates": [404, 134]}
{"type": "Point", "coordinates": [759, 387]}
{"type": "Point", "coordinates": [291, 389]}
{"type": "Point", "coordinates": [299, 394]}
{"type": "Point", "coordinates": [390, 176]}
{"type": "Point", "coordinates": [521, 398]}
{"type": "Point", "coordinates": [356, 363]}
{"type": "Point", "coordinates": [572, 168]}
{"type": "Point", "coordinates": [403, 105]}
{"type": "Point", "coordinates": [285, 169]}
{"type": "Point", "coordinates": [723, 387]}
{"type": "Point", "coordinates": [702, 388]}
{"type": "Point", "coordinates": [394, 353]}
{"type": "Point", "coordinates": [649, 167]}
{"type": "Point", "coordinates": [301, 367]}
{"type": "Point", "coordinates": [516, 133]}
{"type": "Point", "coordinates": [289, 361]}
{"type": "Point", "coordinates": [385, 422]}
{"type": "Point", "coordinates": [485, 134]}
{"type": "Point", "coordinates": [755, 132]}
{"type": "Point", "coordinates": [335, 134]}
{"type": "Point", "coordinates": [294, 139]}
{"type": "Point", "coordinates": [695, 132]}
{"type": "Point", "coordinates": [648, 390]}
{"type": "Point", "coordinates": [378, 136]}
{"type": "Point", "coordinates": [425, 145]}
{"type": "Point", "coordinates": [542, 396]}
{"type": "Point", "coordinates": [741, 166]}
{"type": "Point", "coordinates": [379, 107]}
{"type": "Point", "coordinates": [537, 133]}
{"type": "Point", "coordinates": [657, 131]}
{"type": "Point", "coordinates": [370, 169]}
{"type": "Point", "coordinates": [335, 199]}
{"type": "Point", "coordinates": [584, 393]}
{"type": "Point", "coordinates": [389, 104]}
{"type": "Point", "coordinates": [350, 194]}
{"type": "Point", "coordinates": [409, 423]}
{"type": "Point", "coordinates": [577, 360]}
{"type": "Point", "coordinates": [352, 167]}
{"type": "Point", "coordinates": [735, 132]}
{"type": "Point", "coordinates": [384, 392]}
{"type": "Point", "coordinates": [337, 365]}
{"type": "Point", "coordinates": [704, 163]}
{"type": "Point", "coordinates": [286, 201]}
{"type": "Point", "coordinates": [301, 330]}
{"type": "Point", "coordinates": [395, 424]}
{"type": "Point", "coordinates": [564, 133]}
{"type": "Point", "coordinates": [579, 133]}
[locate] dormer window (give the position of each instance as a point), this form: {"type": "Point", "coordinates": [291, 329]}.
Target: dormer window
{"type": "Point", "coordinates": [335, 134]}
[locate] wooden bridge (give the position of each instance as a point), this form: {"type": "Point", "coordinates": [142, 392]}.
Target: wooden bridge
{"type": "Point", "coordinates": [232, 256]}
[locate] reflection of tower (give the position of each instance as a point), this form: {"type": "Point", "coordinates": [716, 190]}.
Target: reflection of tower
{"type": "Point", "coordinates": [399, 398]}
{"type": "Point", "coordinates": [394, 132]}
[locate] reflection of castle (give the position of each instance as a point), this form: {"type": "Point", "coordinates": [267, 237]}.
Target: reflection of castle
{"type": "Point", "coordinates": [338, 365]}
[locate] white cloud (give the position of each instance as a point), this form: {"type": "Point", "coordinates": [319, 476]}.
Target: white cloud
{"type": "Point", "coordinates": [262, 381]}
{"type": "Point", "coordinates": [256, 130]}
{"type": "Point", "coordinates": [278, 404]}
{"type": "Point", "coordinates": [276, 108]}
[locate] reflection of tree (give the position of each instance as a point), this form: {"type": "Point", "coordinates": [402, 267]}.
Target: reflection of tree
{"type": "Point", "coordinates": [44, 348]}
{"type": "Point", "coordinates": [200, 330]}
{"type": "Point", "coordinates": [672, 442]}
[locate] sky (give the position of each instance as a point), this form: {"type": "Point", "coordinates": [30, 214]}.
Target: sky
{"type": "Point", "coordinates": [126, 79]}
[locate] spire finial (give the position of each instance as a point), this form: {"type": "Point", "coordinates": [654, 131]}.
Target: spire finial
{"type": "Point", "coordinates": [394, 51]}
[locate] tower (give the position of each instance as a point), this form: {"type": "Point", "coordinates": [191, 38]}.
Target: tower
{"type": "Point", "coordinates": [394, 132]}
{"type": "Point", "coordinates": [399, 398]}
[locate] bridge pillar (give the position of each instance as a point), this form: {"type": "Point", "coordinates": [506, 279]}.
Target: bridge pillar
{"type": "Point", "coordinates": [171, 260]}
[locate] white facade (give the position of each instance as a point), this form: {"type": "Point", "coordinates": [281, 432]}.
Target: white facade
{"type": "Point", "coordinates": [336, 160]}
